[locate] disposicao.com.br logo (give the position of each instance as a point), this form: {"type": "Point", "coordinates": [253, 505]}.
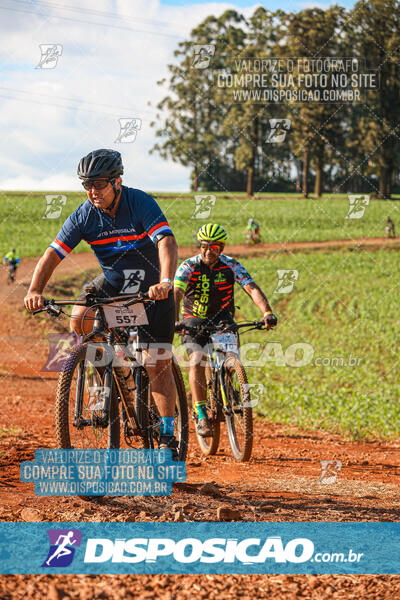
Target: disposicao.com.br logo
{"type": "Point", "coordinates": [190, 550]}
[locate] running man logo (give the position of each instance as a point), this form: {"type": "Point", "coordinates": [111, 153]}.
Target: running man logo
{"type": "Point", "coordinates": [286, 280]}
{"type": "Point", "coordinates": [279, 129]}
{"type": "Point", "coordinates": [98, 395]}
{"type": "Point", "coordinates": [204, 204]}
{"type": "Point", "coordinates": [61, 551]}
{"type": "Point", "coordinates": [132, 280]}
{"type": "Point", "coordinates": [54, 206]}
{"type": "Point", "coordinates": [50, 54]}
{"type": "Point", "coordinates": [61, 346]}
{"type": "Point", "coordinates": [128, 129]}
{"type": "Point", "coordinates": [357, 206]}
{"type": "Point", "coordinates": [329, 471]}
{"type": "Point", "coordinates": [254, 393]}
{"type": "Point", "coordinates": [202, 54]}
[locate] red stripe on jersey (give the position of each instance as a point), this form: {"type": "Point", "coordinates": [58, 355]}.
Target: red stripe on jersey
{"type": "Point", "coordinates": [219, 268]}
{"type": "Point", "coordinates": [60, 243]}
{"type": "Point", "coordinates": [157, 227]}
{"type": "Point", "coordinates": [226, 287]}
{"type": "Point", "coordinates": [226, 297]}
{"type": "Point", "coordinates": [123, 238]}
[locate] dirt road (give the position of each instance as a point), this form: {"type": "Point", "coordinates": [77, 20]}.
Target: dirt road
{"type": "Point", "coordinates": [279, 484]}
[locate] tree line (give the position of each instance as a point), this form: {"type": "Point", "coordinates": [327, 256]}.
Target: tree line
{"type": "Point", "coordinates": [336, 148]}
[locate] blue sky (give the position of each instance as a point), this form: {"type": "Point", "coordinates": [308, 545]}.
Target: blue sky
{"type": "Point", "coordinates": [112, 56]}
{"type": "Point", "coordinates": [286, 5]}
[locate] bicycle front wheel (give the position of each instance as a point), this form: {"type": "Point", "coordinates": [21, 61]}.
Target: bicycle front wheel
{"type": "Point", "coordinates": [79, 402]}
{"type": "Point", "coordinates": [209, 445]}
{"type": "Point", "coordinates": [238, 411]}
{"type": "Point", "coordinates": [181, 427]}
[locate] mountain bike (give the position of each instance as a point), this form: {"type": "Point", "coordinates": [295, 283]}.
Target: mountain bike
{"type": "Point", "coordinates": [94, 382]}
{"type": "Point", "coordinates": [228, 393]}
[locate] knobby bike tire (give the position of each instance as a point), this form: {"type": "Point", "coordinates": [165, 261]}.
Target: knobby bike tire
{"type": "Point", "coordinates": [209, 445]}
{"type": "Point", "coordinates": [181, 429]}
{"type": "Point", "coordinates": [181, 407]}
{"type": "Point", "coordinates": [142, 405]}
{"type": "Point", "coordinates": [63, 406]}
{"type": "Point", "coordinates": [242, 454]}
{"type": "Point", "coordinates": [138, 403]}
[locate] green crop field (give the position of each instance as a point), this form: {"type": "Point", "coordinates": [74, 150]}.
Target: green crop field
{"type": "Point", "coordinates": [344, 311]}
{"type": "Point", "coordinates": [282, 218]}
{"type": "Point", "coordinates": [345, 306]}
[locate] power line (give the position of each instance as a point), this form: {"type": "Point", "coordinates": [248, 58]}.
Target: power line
{"type": "Point", "coordinates": [121, 108]}
{"type": "Point", "coordinates": [99, 13]}
{"type": "Point", "coordinates": [78, 108]}
{"type": "Point", "coordinates": [108, 25]}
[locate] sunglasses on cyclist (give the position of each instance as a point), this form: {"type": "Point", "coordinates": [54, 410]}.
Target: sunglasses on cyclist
{"type": "Point", "coordinates": [212, 247]}
{"type": "Point", "coordinates": [98, 184]}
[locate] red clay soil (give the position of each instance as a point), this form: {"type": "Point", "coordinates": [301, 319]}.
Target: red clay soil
{"type": "Point", "coordinates": [280, 483]}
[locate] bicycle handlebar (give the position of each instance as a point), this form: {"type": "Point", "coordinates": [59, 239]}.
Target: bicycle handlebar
{"type": "Point", "coordinates": [221, 327]}
{"type": "Point", "coordinates": [53, 306]}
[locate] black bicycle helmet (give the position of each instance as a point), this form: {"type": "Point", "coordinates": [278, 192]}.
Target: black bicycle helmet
{"type": "Point", "coordinates": [101, 163]}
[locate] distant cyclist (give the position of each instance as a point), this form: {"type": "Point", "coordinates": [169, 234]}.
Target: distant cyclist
{"type": "Point", "coordinates": [11, 260]}
{"type": "Point", "coordinates": [253, 232]}
{"type": "Point", "coordinates": [205, 283]}
{"type": "Point", "coordinates": [389, 229]}
{"type": "Point", "coordinates": [137, 252]}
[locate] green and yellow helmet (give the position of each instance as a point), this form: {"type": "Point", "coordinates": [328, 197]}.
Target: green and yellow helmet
{"type": "Point", "coordinates": [212, 232]}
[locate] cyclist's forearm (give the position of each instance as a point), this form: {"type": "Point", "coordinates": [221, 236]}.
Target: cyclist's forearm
{"type": "Point", "coordinates": [44, 270]}
{"type": "Point", "coordinates": [168, 257]}
{"type": "Point", "coordinates": [258, 297]}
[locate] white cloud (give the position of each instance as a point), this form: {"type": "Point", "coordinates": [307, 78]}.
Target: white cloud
{"type": "Point", "coordinates": [52, 117]}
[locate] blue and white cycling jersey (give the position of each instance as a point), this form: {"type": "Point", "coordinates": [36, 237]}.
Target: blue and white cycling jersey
{"type": "Point", "coordinates": [125, 245]}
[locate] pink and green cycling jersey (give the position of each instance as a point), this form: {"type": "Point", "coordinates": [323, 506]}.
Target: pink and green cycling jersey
{"type": "Point", "coordinates": [209, 290]}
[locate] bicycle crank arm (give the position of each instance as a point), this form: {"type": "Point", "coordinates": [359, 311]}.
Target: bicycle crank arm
{"type": "Point", "coordinates": [80, 423]}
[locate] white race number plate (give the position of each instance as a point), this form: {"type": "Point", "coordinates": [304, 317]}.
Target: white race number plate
{"type": "Point", "coordinates": [227, 342]}
{"type": "Point", "coordinates": [118, 315]}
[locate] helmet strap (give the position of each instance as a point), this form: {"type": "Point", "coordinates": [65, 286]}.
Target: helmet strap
{"type": "Point", "coordinates": [111, 206]}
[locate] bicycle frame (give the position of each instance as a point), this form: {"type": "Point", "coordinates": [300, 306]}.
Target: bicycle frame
{"type": "Point", "coordinates": [102, 334]}
{"type": "Point", "coordinates": [107, 380]}
{"type": "Point", "coordinates": [217, 365]}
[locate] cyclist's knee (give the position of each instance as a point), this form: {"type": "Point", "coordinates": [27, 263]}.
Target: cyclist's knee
{"type": "Point", "coordinates": [158, 356]}
{"type": "Point", "coordinates": [196, 361]}
{"type": "Point", "coordinates": [80, 322]}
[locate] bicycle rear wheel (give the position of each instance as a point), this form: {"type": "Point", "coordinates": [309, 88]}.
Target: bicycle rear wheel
{"type": "Point", "coordinates": [238, 412]}
{"type": "Point", "coordinates": [80, 390]}
{"type": "Point", "coordinates": [209, 445]}
{"type": "Point", "coordinates": [181, 430]}
{"type": "Point", "coordinates": [142, 405]}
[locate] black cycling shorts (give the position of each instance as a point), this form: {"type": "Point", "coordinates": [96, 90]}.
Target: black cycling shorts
{"type": "Point", "coordinates": [161, 314]}
{"type": "Point", "coordinates": [203, 339]}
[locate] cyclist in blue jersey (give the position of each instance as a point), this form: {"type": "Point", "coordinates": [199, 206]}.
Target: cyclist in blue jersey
{"type": "Point", "coordinates": [137, 252]}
